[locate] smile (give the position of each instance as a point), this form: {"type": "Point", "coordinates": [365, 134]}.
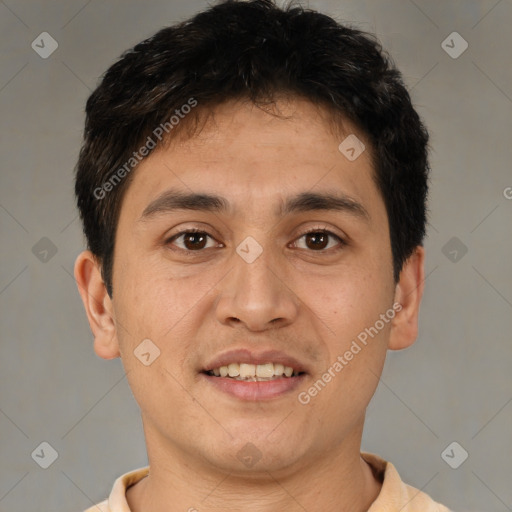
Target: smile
{"type": "Point", "coordinates": [253, 372]}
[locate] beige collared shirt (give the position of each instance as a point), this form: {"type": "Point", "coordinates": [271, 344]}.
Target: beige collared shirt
{"type": "Point", "coordinates": [395, 495]}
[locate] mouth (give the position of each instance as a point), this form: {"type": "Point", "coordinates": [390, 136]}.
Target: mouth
{"type": "Point", "coordinates": [254, 372]}
{"type": "Point", "coordinates": [254, 377]}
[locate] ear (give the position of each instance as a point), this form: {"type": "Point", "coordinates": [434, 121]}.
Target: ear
{"type": "Point", "coordinates": [98, 305]}
{"type": "Point", "coordinates": [408, 293]}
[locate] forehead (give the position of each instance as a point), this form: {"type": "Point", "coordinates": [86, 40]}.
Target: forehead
{"type": "Point", "coordinates": [243, 122]}
{"type": "Point", "coordinates": [258, 154]}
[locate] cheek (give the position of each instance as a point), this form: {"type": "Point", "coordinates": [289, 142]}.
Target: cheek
{"type": "Point", "coordinates": [148, 296]}
{"type": "Point", "coordinates": [354, 310]}
{"type": "Point", "coordinates": [349, 300]}
{"type": "Point", "coordinates": [153, 301]}
{"type": "Point", "coordinates": [155, 334]}
{"type": "Point", "coordinates": [356, 355]}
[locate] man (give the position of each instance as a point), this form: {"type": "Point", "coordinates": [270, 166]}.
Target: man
{"type": "Point", "coordinates": [252, 186]}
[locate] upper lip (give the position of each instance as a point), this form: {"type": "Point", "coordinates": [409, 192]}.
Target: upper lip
{"type": "Point", "coordinates": [243, 355]}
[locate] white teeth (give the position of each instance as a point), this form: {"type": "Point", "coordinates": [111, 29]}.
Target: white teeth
{"type": "Point", "coordinates": [278, 369]}
{"type": "Point", "coordinates": [246, 371]}
{"type": "Point", "coordinates": [265, 370]}
{"type": "Point", "coordinates": [233, 370]}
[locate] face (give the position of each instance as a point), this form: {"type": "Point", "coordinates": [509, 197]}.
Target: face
{"type": "Point", "coordinates": [288, 264]}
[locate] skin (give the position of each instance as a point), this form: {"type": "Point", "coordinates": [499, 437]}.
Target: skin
{"type": "Point", "coordinates": [307, 301]}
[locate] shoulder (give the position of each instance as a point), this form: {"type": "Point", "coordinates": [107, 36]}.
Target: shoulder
{"type": "Point", "coordinates": [396, 494]}
{"type": "Point", "coordinates": [418, 501]}
{"type": "Point", "coordinates": [116, 502]}
{"type": "Point", "coordinates": [100, 507]}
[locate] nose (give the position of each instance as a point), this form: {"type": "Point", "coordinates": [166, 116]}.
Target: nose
{"type": "Point", "coordinates": [256, 294]}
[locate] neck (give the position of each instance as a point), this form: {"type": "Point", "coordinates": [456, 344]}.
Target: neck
{"type": "Point", "coordinates": [339, 481]}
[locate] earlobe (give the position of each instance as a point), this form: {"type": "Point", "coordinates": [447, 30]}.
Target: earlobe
{"type": "Point", "coordinates": [98, 305]}
{"type": "Point", "coordinates": [408, 293]}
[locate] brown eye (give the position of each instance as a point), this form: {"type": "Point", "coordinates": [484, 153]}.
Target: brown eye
{"type": "Point", "coordinates": [191, 240]}
{"type": "Point", "coordinates": [319, 240]}
{"type": "Point", "coordinates": [194, 241]}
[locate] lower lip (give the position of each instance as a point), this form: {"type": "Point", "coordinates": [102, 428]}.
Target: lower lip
{"type": "Point", "coordinates": [255, 390]}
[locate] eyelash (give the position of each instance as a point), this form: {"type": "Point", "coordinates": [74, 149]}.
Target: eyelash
{"type": "Point", "coordinates": [323, 230]}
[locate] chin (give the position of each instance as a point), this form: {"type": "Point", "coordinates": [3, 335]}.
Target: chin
{"type": "Point", "coordinates": [257, 452]}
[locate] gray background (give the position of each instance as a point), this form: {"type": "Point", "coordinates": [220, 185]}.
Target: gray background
{"type": "Point", "coordinates": [454, 384]}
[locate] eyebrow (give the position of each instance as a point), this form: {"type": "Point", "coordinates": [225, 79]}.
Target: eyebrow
{"type": "Point", "coordinates": [173, 200]}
